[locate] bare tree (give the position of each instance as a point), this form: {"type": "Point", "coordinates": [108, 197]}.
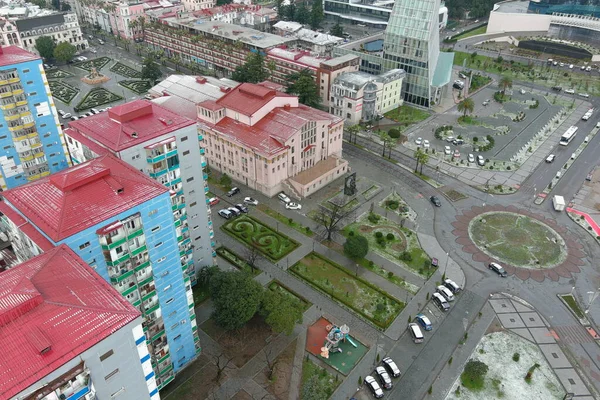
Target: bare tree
{"type": "Point", "coordinates": [252, 256]}
{"type": "Point", "coordinates": [272, 362]}
{"type": "Point", "coordinates": [221, 361]}
{"type": "Point", "coordinates": [330, 218]}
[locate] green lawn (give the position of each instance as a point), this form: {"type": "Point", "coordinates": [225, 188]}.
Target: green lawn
{"type": "Point", "coordinates": [518, 240]}
{"type": "Point", "coordinates": [236, 260]}
{"type": "Point", "coordinates": [305, 230]}
{"type": "Point", "coordinates": [277, 286]}
{"type": "Point", "coordinates": [407, 115]}
{"type": "Point", "coordinates": [479, 31]}
{"type": "Point", "coordinates": [404, 243]}
{"type": "Point", "coordinates": [573, 305]}
{"type": "Point", "coordinates": [327, 383]}
{"type": "Point", "coordinates": [252, 232]}
{"type": "Point", "coordinates": [359, 295]}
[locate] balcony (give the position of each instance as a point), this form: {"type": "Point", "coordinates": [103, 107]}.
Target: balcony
{"type": "Point", "coordinates": [121, 275]}
{"type": "Point", "coordinates": [147, 289]}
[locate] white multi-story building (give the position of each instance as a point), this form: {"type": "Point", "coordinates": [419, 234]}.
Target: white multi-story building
{"type": "Point", "coordinates": [194, 5]}
{"type": "Point", "coordinates": [60, 26]}
{"type": "Point", "coordinates": [358, 96]}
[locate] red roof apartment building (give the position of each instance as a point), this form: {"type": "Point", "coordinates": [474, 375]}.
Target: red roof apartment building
{"type": "Point", "coordinates": [66, 333]}
{"type": "Point", "coordinates": [268, 141]}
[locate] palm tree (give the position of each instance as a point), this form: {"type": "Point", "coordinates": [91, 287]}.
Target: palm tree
{"type": "Point", "coordinates": [466, 106]}
{"type": "Point", "coordinates": [505, 82]}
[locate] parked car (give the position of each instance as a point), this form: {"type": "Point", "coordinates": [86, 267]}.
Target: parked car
{"type": "Point", "coordinates": [458, 142]}
{"type": "Point", "coordinates": [391, 367]}
{"type": "Point", "coordinates": [383, 377]}
{"type": "Point", "coordinates": [293, 206]}
{"type": "Point", "coordinates": [61, 112]}
{"type": "Point", "coordinates": [480, 160]}
{"type": "Point", "coordinates": [550, 158]}
{"type": "Point", "coordinates": [557, 88]}
{"type": "Point", "coordinates": [562, 64]}
{"type": "Point", "coordinates": [450, 139]}
{"type": "Point", "coordinates": [374, 387]}
{"type": "Point", "coordinates": [67, 115]}
{"type": "Point", "coordinates": [213, 201]}
{"type": "Point", "coordinates": [585, 95]}
{"type": "Point", "coordinates": [444, 291]}
{"type": "Point", "coordinates": [589, 177]}
{"type": "Point", "coordinates": [555, 63]}
{"type": "Point", "coordinates": [424, 322]}
{"type": "Point", "coordinates": [418, 141]}
{"type": "Point", "coordinates": [497, 268]}
{"type": "Point", "coordinates": [234, 211]}
{"type": "Point", "coordinates": [225, 214]}
{"type": "Point", "coordinates": [440, 301]}
{"type": "Point", "coordinates": [471, 158]}
{"type": "Point", "coordinates": [571, 66]}
{"type": "Point", "coordinates": [283, 197]}
{"type": "Point", "coordinates": [447, 150]}
{"type": "Point", "coordinates": [486, 102]}
{"type": "Point", "coordinates": [100, 41]}
{"type": "Point", "coordinates": [522, 91]}
{"type": "Point", "coordinates": [450, 284]}
{"type": "Point", "coordinates": [233, 191]}
{"type": "Point", "coordinates": [95, 111]}
{"type": "Point", "coordinates": [74, 118]}
{"type": "Point", "coordinates": [250, 201]}
{"type": "Point", "coordinates": [570, 91]}
{"type": "Point", "coordinates": [587, 138]}
{"type": "Point", "coordinates": [93, 51]}
{"type": "Point", "coordinates": [241, 208]}
{"type": "Point", "coordinates": [436, 202]}
{"type": "Point", "coordinates": [456, 154]}
{"type": "Point", "coordinates": [426, 144]}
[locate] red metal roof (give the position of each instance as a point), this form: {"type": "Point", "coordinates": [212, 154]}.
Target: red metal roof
{"type": "Point", "coordinates": [268, 136]}
{"type": "Point", "coordinates": [79, 197]}
{"type": "Point", "coordinates": [53, 308]}
{"type": "Point", "coordinates": [10, 55]}
{"type": "Point", "coordinates": [130, 124]}
{"type": "Point", "coordinates": [248, 98]}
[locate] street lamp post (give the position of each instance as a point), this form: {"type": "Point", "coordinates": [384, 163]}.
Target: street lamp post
{"type": "Point", "coordinates": [592, 298]}
{"type": "Point", "coordinates": [446, 265]}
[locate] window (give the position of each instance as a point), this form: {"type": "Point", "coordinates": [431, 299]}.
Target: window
{"type": "Point", "coordinates": [183, 139]}
{"type": "Point", "coordinates": [185, 153]}
{"type": "Point", "coordinates": [196, 227]}
{"type": "Point", "coordinates": [156, 229]}
{"type": "Point", "coordinates": [170, 300]}
{"type": "Point", "coordinates": [174, 326]}
{"type": "Point", "coordinates": [25, 71]}
{"type": "Point", "coordinates": [177, 337]}
{"type": "Point", "coordinates": [167, 288]}
{"type": "Point", "coordinates": [192, 204]}
{"type": "Point", "coordinates": [107, 377]}
{"type": "Point", "coordinates": [189, 179]}
{"type": "Point", "coordinates": [161, 259]}
{"type": "Point", "coordinates": [83, 246]}
{"type": "Point", "coordinates": [164, 274]}
{"type": "Point", "coordinates": [117, 393]}
{"type": "Point", "coordinates": [106, 355]}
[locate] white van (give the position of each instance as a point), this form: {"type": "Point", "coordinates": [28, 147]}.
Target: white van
{"type": "Point", "coordinates": [444, 291]}
{"type": "Point", "coordinates": [415, 332]}
{"type": "Point", "coordinates": [440, 301]}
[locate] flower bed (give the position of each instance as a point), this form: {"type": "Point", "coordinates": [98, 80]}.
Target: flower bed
{"type": "Point", "coordinates": [236, 260]}
{"type": "Point", "coordinates": [57, 74]}
{"type": "Point", "coordinates": [125, 71]}
{"type": "Point", "coordinates": [97, 97]}
{"type": "Point", "coordinates": [139, 87]}
{"type": "Point", "coordinates": [63, 91]}
{"type": "Point", "coordinates": [97, 63]}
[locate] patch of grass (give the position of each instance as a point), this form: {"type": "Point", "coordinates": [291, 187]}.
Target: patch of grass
{"type": "Point", "coordinates": [57, 74]}
{"type": "Point", "coordinates": [305, 230]}
{"type": "Point", "coordinates": [125, 70]}
{"type": "Point", "coordinates": [478, 81]}
{"type": "Point", "coordinates": [479, 31]}
{"type": "Point", "coordinates": [370, 192]}
{"type": "Point", "coordinates": [97, 97]}
{"type": "Point", "coordinates": [573, 305]}
{"type": "Point", "coordinates": [407, 115]}
{"type": "Point", "coordinates": [469, 120]}
{"type": "Point", "coordinates": [396, 280]}
{"type": "Point", "coordinates": [63, 91]}
{"type": "Point", "coordinates": [328, 383]}
{"type": "Point", "coordinates": [252, 232]}
{"type": "Point", "coordinates": [361, 296]}
{"type": "Point", "coordinates": [277, 286]}
{"type": "Point", "coordinates": [236, 260]}
{"type": "Point", "coordinates": [454, 195]}
{"type": "Point", "coordinates": [139, 87]}
{"type": "Point", "coordinates": [97, 63]}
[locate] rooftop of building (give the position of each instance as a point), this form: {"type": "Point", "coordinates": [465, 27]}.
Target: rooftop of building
{"type": "Point", "coordinates": [298, 56]}
{"type": "Point", "coordinates": [253, 37]}
{"type": "Point", "coordinates": [40, 21]}
{"type": "Point", "coordinates": [130, 124]}
{"type": "Point", "coordinates": [19, 9]}
{"type": "Point", "coordinates": [10, 55]}
{"type": "Point", "coordinates": [70, 201]}
{"type": "Point", "coordinates": [519, 7]}
{"type": "Point", "coordinates": [359, 79]}
{"type": "Point", "coordinates": [297, 30]}
{"type": "Point", "coordinates": [268, 135]}
{"type": "Point", "coordinates": [355, 45]}
{"type": "Point", "coordinates": [53, 308]}
{"type": "Point", "coordinates": [183, 92]}
{"type": "Point", "coordinates": [231, 8]}
{"type": "Point", "coordinates": [334, 62]}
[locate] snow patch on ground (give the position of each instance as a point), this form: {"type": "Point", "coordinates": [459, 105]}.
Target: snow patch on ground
{"type": "Point", "coordinates": [505, 377]}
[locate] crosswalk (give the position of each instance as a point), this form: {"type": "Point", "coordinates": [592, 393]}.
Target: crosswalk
{"type": "Point", "coordinates": [573, 334]}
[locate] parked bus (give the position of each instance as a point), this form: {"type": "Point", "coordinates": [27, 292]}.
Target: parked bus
{"type": "Point", "coordinates": [568, 136]}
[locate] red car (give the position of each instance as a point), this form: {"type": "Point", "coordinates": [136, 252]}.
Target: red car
{"type": "Point", "coordinates": [214, 200]}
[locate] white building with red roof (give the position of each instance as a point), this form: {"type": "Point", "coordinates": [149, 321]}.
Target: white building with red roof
{"type": "Point", "coordinates": [165, 145]}
{"type": "Point", "coordinates": [270, 142]}
{"type": "Point", "coordinates": [66, 333]}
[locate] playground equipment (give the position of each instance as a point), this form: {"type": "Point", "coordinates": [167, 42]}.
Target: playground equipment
{"type": "Point", "coordinates": [334, 336]}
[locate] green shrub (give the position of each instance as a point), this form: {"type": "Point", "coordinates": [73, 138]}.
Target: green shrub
{"type": "Point", "coordinates": [374, 218]}
{"type": "Point", "coordinates": [516, 357]}
{"type": "Point", "coordinates": [405, 256]}
{"type": "Point", "coordinates": [351, 233]}
{"type": "Point", "coordinates": [394, 133]}
{"type": "Point", "coordinates": [378, 235]}
{"type": "Point", "coordinates": [389, 236]}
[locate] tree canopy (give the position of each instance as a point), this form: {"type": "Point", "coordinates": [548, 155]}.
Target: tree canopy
{"type": "Point", "coordinates": [151, 70]}
{"type": "Point", "coordinates": [356, 247]}
{"type": "Point", "coordinates": [337, 30]}
{"type": "Point", "coordinates": [303, 85]}
{"type": "Point", "coordinates": [466, 106]}
{"type": "Point", "coordinates": [476, 8]}
{"type": "Point", "coordinates": [281, 312]}
{"type": "Point", "coordinates": [64, 51]}
{"type": "Point", "coordinates": [302, 15]}
{"type": "Point", "coordinates": [253, 70]}
{"type": "Point", "coordinates": [45, 46]}
{"type": "Point", "coordinates": [316, 14]}
{"type": "Point", "coordinates": [236, 298]}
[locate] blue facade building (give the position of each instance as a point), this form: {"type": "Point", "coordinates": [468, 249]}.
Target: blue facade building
{"type": "Point", "coordinates": [31, 140]}
{"type": "Point", "coordinates": [121, 223]}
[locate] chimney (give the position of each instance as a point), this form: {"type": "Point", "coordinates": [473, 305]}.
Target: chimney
{"type": "Point", "coordinates": [201, 80]}
{"type": "Point", "coordinates": [287, 107]}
